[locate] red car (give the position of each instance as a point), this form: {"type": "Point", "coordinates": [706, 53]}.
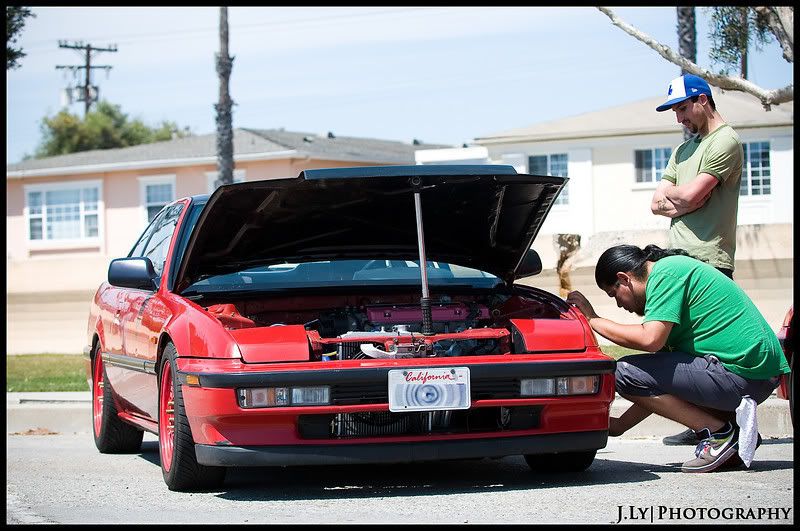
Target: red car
{"type": "Point", "coordinates": [786, 335]}
{"type": "Point", "coordinates": [287, 322]}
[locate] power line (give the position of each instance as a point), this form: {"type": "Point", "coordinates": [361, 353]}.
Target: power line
{"type": "Point", "coordinates": [171, 34]}
{"type": "Point", "coordinates": [87, 93]}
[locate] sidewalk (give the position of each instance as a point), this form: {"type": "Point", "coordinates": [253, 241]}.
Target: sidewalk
{"type": "Point", "coordinates": [72, 412]}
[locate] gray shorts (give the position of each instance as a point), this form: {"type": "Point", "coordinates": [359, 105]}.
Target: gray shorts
{"type": "Point", "coordinates": [702, 381]}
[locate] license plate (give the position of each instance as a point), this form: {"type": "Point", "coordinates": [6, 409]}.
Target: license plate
{"type": "Point", "coordinates": [429, 389]}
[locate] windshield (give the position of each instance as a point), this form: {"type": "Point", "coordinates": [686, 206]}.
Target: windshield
{"type": "Point", "coordinates": [343, 273]}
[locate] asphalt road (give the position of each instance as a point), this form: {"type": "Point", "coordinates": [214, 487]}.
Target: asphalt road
{"type": "Point", "coordinates": [63, 479]}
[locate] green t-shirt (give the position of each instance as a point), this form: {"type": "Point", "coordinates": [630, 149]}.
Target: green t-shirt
{"type": "Point", "coordinates": [712, 315]}
{"type": "Point", "coordinates": [709, 233]}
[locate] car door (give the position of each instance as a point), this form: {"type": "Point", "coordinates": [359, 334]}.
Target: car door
{"type": "Point", "coordinates": [145, 315]}
{"type": "Point", "coordinates": [114, 311]}
{"type": "Point", "coordinates": [109, 308]}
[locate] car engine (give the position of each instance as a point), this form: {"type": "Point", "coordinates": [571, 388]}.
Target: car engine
{"type": "Point", "coordinates": [373, 328]}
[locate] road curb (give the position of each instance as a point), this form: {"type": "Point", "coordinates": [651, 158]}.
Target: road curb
{"type": "Point", "coordinates": [71, 412]}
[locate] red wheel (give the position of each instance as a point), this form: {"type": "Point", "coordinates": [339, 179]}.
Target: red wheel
{"type": "Point", "coordinates": [111, 434]}
{"type": "Point", "coordinates": [97, 393]}
{"type": "Point", "coordinates": [166, 417]}
{"type": "Point", "coordinates": [179, 464]}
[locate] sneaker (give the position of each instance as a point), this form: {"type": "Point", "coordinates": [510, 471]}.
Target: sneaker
{"type": "Point", "coordinates": [714, 450]}
{"type": "Point", "coordinates": [735, 461]}
{"type": "Point", "coordinates": [687, 438]}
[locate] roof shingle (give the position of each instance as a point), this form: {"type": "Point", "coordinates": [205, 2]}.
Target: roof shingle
{"type": "Point", "coordinates": [640, 117]}
{"type": "Point", "coordinates": [245, 142]}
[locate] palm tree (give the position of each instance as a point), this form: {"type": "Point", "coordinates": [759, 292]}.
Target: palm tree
{"type": "Point", "coordinates": [687, 34]}
{"type": "Point", "coordinates": [223, 108]}
{"type": "Point", "coordinates": [687, 43]}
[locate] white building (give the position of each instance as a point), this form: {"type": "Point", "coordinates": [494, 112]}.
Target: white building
{"type": "Point", "coordinates": [614, 159]}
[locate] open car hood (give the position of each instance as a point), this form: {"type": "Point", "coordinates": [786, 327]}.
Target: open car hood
{"type": "Point", "coordinates": [484, 217]}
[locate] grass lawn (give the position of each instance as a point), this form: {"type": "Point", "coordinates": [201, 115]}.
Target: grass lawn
{"type": "Point", "coordinates": [65, 372]}
{"type": "Point", "coordinates": [616, 352]}
{"type": "Point", "coordinates": [45, 372]}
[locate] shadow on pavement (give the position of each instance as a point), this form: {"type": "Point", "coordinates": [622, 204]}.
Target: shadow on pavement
{"type": "Point", "coordinates": [335, 482]}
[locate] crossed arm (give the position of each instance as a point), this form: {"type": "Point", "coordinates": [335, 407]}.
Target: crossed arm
{"type": "Point", "coordinates": [672, 201]}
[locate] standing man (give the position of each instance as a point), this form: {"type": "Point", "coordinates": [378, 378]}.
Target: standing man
{"type": "Point", "coordinates": [709, 347]}
{"type": "Point", "coordinates": [699, 190]}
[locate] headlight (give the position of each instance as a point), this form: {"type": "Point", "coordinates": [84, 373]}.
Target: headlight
{"type": "Point", "coordinates": [284, 396]}
{"type": "Point", "coordinates": [559, 386]}
{"type": "Point", "coordinates": [537, 387]}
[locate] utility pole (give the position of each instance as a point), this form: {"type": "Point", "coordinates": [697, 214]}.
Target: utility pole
{"type": "Point", "coordinates": [86, 94]}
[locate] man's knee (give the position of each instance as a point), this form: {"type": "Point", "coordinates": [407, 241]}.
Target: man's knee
{"type": "Point", "coordinates": [628, 378]}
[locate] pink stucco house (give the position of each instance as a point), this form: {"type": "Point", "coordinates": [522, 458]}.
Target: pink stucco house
{"type": "Point", "coordinates": [68, 216]}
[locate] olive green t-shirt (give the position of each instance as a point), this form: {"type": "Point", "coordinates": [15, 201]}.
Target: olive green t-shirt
{"type": "Point", "coordinates": [709, 233]}
{"type": "Point", "coordinates": [712, 315]}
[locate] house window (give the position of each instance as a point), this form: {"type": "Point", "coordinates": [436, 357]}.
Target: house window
{"type": "Point", "coordinates": [651, 163]}
{"type": "Point", "coordinates": [63, 212]}
{"type": "Point", "coordinates": [555, 165]}
{"type": "Point", "coordinates": [156, 192]}
{"type": "Point", "coordinates": [756, 174]}
{"type": "Point", "coordinates": [212, 176]}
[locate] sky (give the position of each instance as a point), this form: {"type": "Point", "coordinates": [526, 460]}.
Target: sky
{"type": "Point", "coordinates": [443, 75]}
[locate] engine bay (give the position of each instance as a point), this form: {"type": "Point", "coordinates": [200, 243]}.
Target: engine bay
{"type": "Point", "coordinates": [390, 326]}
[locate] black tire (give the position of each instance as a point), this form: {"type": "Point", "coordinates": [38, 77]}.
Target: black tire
{"type": "Point", "coordinates": [179, 464]}
{"type": "Point", "coordinates": [560, 462]}
{"type": "Point", "coordinates": [111, 434]}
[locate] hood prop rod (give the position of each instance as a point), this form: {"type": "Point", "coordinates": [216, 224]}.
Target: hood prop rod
{"type": "Point", "coordinates": [425, 301]}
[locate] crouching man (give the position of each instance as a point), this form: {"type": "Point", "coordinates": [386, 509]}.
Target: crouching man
{"type": "Point", "coordinates": [710, 346]}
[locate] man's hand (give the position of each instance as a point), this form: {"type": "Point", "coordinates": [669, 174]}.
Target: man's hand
{"type": "Point", "coordinates": [582, 303]}
{"type": "Point", "coordinates": [660, 205]}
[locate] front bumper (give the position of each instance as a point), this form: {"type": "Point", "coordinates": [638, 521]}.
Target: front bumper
{"type": "Point", "coordinates": [341, 454]}
{"type": "Point", "coordinates": [317, 374]}
{"type": "Point", "coordinates": [217, 420]}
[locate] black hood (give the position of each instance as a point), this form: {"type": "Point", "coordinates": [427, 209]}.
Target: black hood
{"type": "Point", "coordinates": [484, 217]}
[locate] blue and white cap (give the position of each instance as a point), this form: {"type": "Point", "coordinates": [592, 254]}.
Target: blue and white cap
{"type": "Point", "coordinates": [684, 87]}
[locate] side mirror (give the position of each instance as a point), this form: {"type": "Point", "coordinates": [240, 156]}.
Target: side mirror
{"type": "Point", "coordinates": [531, 265]}
{"type": "Point", "coordinates": [137, 273]}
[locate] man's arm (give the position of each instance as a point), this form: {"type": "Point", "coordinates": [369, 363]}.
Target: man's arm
{"type": "Point", "coordinates": [692, 195]}
{"type": "Point", "coordinates": [660, 205]}
{"type": "Point", "coordinates": [649, 337]}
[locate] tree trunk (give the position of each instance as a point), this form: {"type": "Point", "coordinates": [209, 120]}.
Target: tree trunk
{"type": "Point", "coordinates": [687, 35]}
{"type": "Point", "coordinates": [224, 107]}
{"type": "Point", "coordinates": [568, 247]}
{"type": "Point", "coordinates": [745, 44]}
{"type": "Point", "coordinates": [687, 43]}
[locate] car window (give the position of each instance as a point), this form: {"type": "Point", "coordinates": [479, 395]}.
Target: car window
{"type": "Point", "coordinates": [184, 234]}
{"type": "Point", "coordinates": [138, 248]}
{"type": "Point", "coordinates": [156, 249]}
{"type": "Point", "coordinates": [344, 273]}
